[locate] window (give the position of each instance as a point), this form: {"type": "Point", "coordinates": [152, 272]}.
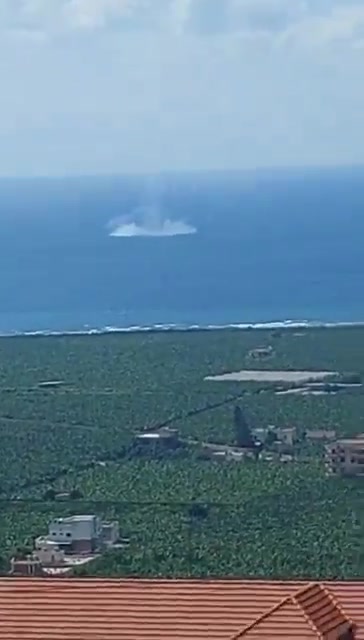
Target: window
{"type": "Point", "coordinates": [68, 535]}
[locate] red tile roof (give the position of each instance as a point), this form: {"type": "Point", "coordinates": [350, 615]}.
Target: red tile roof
{"type": "Point", "coordinates": [322, 610]}
{"type": "Point", "coordinates": [93, 609]}
{"type": "Point", "coordinates": [312, 612]}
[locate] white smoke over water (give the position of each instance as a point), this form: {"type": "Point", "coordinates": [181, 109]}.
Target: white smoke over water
{"type": "Point", "coordinates": [148, 222]}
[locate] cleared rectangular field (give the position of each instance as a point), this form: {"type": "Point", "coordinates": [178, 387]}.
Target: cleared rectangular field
{"type": "Point", "coordinates": [271, 376]}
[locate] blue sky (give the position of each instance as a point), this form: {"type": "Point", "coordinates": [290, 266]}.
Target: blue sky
{"type": "Point", "coordinates": [98, 86]}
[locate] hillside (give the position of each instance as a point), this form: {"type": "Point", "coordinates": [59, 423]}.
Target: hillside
{"type": "Point", "coordinates": [255, 517]}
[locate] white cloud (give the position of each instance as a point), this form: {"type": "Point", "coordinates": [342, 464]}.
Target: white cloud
{"type": "Point", "coordinates": [59, 16]}
{"type": "Point", "coordinates": [246, 83]}
{"type": "Point", "coordinates": [94, 14]}
{"type": "Point", "coordinates": [266, 15]}
{"type": "Point", "coordinates": [343, 24]}
{"type": "Point", "coordinates": [310, 22]}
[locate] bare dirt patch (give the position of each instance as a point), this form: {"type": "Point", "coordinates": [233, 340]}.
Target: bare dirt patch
{"type": "Point", "coordinates": [272, 376]}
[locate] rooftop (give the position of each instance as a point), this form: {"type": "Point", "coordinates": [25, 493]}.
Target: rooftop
{"type": "Point", "coordinates": [352, 442]}
{"type": "Point", "coordinates": [77, 518]}
{"type": "Point", "coordinates": [149, 436]}
{"type": "Point", "coordinates": [90, 609]}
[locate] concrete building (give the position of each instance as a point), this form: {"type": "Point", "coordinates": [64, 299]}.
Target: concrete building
{"type": "Point", "coordinates": [48, 552]}
{"type": "Point", "coordinates": [287, 435]}
{"type": "Point", "coordinates": [346, 457]}
{"type": "Point", "coordinates": [76, 534]}
{"type": "Point", "coordinates": [261, 353]}
{"type": "Point", "coordinates": [320, 434]}
{"type": "Point", "coordinates": [110, 533]}
{"type": "Point", "coordinates": [27, 567]}
{"type": "Point", "coordinates": [161, 440]}
{"type": "Point", "coordinates": [71, 542]}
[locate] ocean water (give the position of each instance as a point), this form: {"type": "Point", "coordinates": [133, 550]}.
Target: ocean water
{"type": "Point", "coordinates": [83, 254]}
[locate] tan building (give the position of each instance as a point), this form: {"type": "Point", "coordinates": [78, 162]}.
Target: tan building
{"type": "Point", "coordinates": [28, 567]}
{"type": "Point", "coordinates": [320, 434]}
{"type": "Point", "coordinates": [346, 457]}
{"type": "Point", "coordinates": [48, 552]}
{"type": "Point", "coordinates": [287, 435]}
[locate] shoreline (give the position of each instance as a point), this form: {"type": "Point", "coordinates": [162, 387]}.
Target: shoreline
{"type": "Point", "coordinates": [183, 328]}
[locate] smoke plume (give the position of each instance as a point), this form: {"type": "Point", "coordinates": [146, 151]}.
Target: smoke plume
{"type": "Point", "coordinates": [148, 222]}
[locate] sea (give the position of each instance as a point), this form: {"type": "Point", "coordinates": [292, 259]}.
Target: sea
{"type": "Point", "coordinates": [181, 251]}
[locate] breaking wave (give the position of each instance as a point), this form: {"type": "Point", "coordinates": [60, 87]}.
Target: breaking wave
{"type": "Point", "coordinates": [285, 324]}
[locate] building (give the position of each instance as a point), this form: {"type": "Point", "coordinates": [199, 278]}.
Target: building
{"type": "Point", "coordinates": [163, 437]}
{"type": "Point", "coordinates": [110, 533]}
{"type": "Point", "coordinates": [261, 433]}
{"type": "Point", "coordinates": [71, 542]}
{"type": "Point", "coordinates": [33, 567]}
{"type": "Point", "coordinates": [48, 560]}
{"type": "Point", "coordinates": [345, 457]}
{"type": "Point", "coordinates": [223, 453]}
{"type": "Point", "coordinates": [320, 434]}
{"type": "Point", "coordinates": [27, 567]}
{"type": "Point", "coordinates": [261, 353]}
{"type": "Point", "coordinates": [79, 534]}
{"type": "Point", "coordinates": [48, 552]}
{"type": "Point", "coordinates": [186, 609]}
{"type": "Point", "coordinates": [287, 435]}
{"type": "Point", "coordinates": [76, 534]}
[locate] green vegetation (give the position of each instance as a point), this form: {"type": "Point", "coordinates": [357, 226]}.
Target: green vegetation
{"type": "Point", "coordinates": [183, 515]}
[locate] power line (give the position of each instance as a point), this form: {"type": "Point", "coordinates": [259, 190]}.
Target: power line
{"type": "Point", "coordinates": [124, 503]}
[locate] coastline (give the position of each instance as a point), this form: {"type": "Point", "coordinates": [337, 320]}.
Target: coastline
{"type": "Point", "coordinates": [176, 328]}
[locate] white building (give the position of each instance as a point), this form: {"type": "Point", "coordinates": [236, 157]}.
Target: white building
{"type": "Point", "coordinates": [110, 533]}
{"type": "Point", "coordinates": [78, 534]}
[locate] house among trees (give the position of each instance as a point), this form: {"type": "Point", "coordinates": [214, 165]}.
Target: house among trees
{"type": "Point", "coordinates": [261, 353]}
{"type": "Point", "coordinates": [345, 457]}
{"type": "Point", "coordinates": [70, 542]}
{"type": "Point", "coordinates": [158, 439]}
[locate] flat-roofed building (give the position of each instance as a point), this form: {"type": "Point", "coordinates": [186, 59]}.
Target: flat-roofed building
{"type": "Point", "coordinates": [346, 457]}
{"type": "Point", "coordinates": [76, 534]}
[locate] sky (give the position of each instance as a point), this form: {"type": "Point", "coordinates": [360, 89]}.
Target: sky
{"type": "Point", "coordinates": [121, 86]}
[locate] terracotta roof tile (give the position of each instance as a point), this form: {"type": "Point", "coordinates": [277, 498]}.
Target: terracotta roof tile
{"type": "Point", "coordinates": [285, 621]}
{"type": "Point", "coordinates": [93, 609]}
{"type": "Point", "coordinates": [323, 611]}
{"type": "Point", "coordinates": [312, 612]}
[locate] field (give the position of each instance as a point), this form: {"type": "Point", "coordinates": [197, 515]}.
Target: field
{"type": "Point", "coordinates": [184, 515]}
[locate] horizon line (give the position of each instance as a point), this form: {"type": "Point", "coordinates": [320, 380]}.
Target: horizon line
{"type": "Point", "coordinates": [187, 172]}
